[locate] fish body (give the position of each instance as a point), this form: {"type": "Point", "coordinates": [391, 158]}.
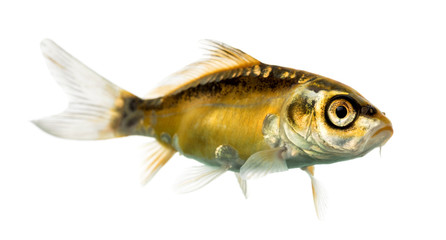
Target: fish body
{"type": "Point", "coordinates": [197, 120]}
{"type": "Point", "coordinates": [230, 112]}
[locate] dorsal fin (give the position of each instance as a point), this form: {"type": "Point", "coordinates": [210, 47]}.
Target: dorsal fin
{"type": "Point", "coordinates": [222, 62]}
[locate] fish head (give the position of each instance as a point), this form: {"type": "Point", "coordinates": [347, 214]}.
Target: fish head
{"type": "Point", "coordinates": [331, 122]}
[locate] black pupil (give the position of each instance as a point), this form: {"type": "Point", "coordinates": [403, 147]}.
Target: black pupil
{"type": "Point", "coordinates": [341, 112]}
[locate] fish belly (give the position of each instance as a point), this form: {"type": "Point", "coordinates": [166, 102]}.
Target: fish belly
{"type": "Point", "coordinates": [198, 130]}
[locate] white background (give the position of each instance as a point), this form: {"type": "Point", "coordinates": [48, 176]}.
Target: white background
{"type": "Point", "coordinates": [393, 52]}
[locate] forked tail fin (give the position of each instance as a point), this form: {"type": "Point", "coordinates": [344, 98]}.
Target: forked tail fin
{"type": "Point", "coordinates": [94, 102]}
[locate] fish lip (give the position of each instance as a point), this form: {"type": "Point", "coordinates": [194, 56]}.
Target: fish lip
{"type": "Point", "coordinates": [383, 129]}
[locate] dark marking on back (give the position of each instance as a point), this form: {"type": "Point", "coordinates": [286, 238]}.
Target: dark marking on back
{"type": "Point", "coordinates": [153, 104]}
{"type": "Point", "coordinates": [241, 85]}
{"type": "Point", "coordinates": [313, 87]}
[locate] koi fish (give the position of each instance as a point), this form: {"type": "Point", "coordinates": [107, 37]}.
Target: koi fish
{"type": "Point", "coordinates": [230, 112]}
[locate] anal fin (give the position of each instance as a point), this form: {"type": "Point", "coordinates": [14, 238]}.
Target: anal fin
{"type": "Point", "coordinates": [158, 155]}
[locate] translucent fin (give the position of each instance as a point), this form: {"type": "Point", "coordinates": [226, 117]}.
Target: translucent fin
{"type": "Point", "coordinates": [243, 184]}
{"type": "Point", "coordinates": [319, 196]}
{"type": "Point", "coordinates": [264, 162]}
{"type": "Point", "coordinates": [158, 155]}
{"type": "Point", "coordinates": [92, 98]}
{"type": "Point", "coordinates": [198, 177]}
{"type": "Point", "coordinates": [223, 62]}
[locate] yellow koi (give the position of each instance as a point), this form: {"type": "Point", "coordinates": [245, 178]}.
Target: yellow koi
{"type": "Point", "coordinates": [230, 112]}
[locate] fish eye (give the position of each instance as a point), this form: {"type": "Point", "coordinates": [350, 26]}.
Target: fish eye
{"type": "Point", "coordinates": [341, 112]}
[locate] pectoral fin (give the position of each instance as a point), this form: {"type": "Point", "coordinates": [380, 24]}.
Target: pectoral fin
{"type": "Point", "coordinates": [264, 162]}
{"type": "Point", "coordinates": [319, 197]}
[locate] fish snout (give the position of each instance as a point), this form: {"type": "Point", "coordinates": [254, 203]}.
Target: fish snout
{"type": "Point", "coordinates": [384, 131]}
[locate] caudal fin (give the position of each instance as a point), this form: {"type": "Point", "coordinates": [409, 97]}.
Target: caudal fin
{"type": "Point", "coordinates": [92, 99]}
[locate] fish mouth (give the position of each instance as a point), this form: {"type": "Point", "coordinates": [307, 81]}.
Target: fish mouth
{"type": "Point", "coordinates": [384, 129]}
{"type": "Point", "coordinates": [380, 136]}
